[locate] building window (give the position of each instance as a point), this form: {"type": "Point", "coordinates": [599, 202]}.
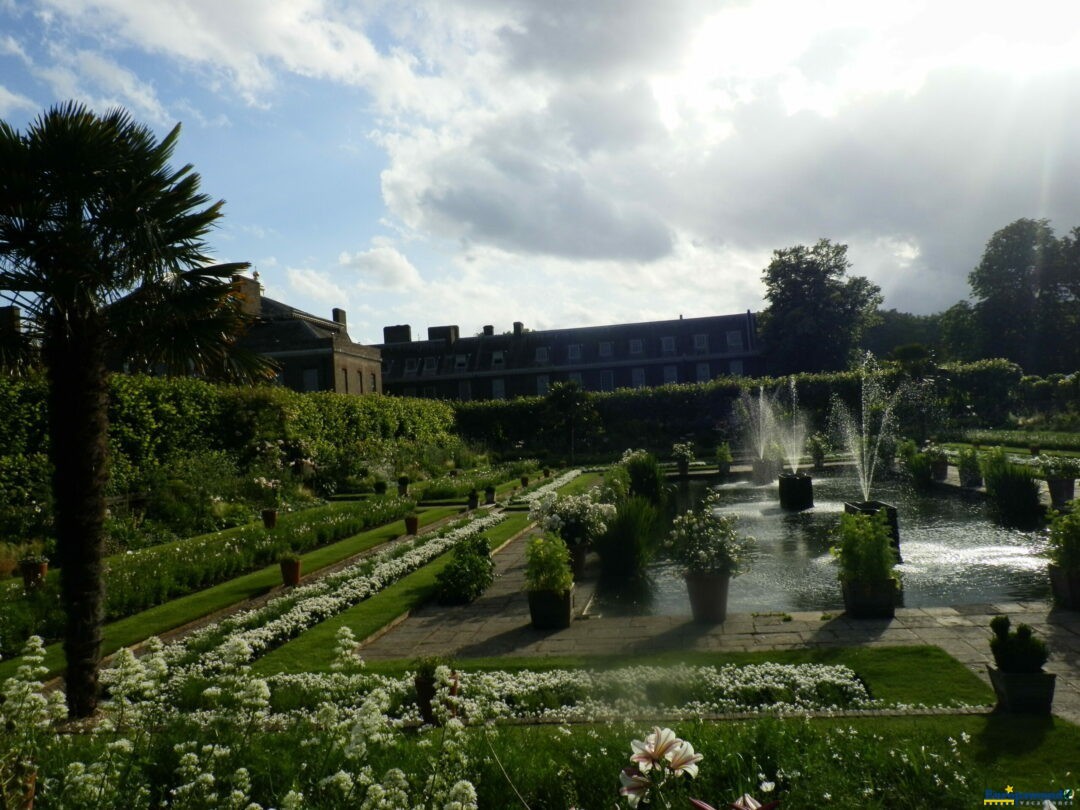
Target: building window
{"type": "Point", "coordinates": [464, 390]}
{"type": "Point", "coordinates": [701, 343]}
{"type": "Point", "coordinates": [541, 355]}
{"type": "Point", "coordinates": [498, 389]}
{"type": "Point", "coordinates": [703, 372]}
{"type": "Point", "coordinates": [542, 384]}
{"type": "Point", "coordinates": [637, 377]}
{"type": "Point", "coordinates": [605, 348]}
{"type": "Point", "coordinates": [310, 379]}
{"type": "Point", "coordinates": [607, 380]}
{"type": "Point", "coordinates": [374, 383]}
{"type": "Point", "coordinates": [498, 359]}
{"type": "Point", "coordinates": [734, 341]}
{"type": "Point", "coordinates": [575, 377]}
{"type": "Point", "coordinates": [635, 346]}
{"type": "Point", "coordinates": [430, 364]}
{"type": "Point", "coordinates": [671, 374]}
{"type": "Point", "coordinates": [345, 378]}
{"type": "Point", "coordinates": [573, 351]}
{"type": "Point", "coordinates": [735, 367]}
{"type": "Point", "coordinates": [667, 345]}
{"type": "Point", "coordinates": [461, 362]}
{"type": "Point", "coordinates": [410, 365]}
{"type": "Point", "coordinates": [360, 381]}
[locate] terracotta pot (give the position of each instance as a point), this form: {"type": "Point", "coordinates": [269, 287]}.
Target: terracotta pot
{"type": "Point", "coordinates": [412, 524]}
{"type": "Point", "coordinates": [870, 600]}
{"type": "Point", "coordinates": [708, 596]}
{"type": "Point", "coordinates": [290, 572]}
{"type": "Point", "coordinates": [551, 610]}
{"type": "Point", "coordinates": [1066, 586]}
{"type": "Point", "coordinates": [269, 518]}
{"type": "Point", "coordinates": [1023, 692]}
{"type": "Point", "coordinates": [33, 573]}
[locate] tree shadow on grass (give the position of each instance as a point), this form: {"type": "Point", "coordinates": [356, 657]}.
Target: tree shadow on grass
{"type": "Point", "coordinates": [1012, 735]}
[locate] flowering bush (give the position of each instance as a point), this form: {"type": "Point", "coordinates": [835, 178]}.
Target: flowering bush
{"type": "Point", "coordinates": [577, 519]}
{"type": "Point", "coordinates": [683, 451]}
{"type": "Point", "coordinates": [1058, 466]}
{"type": "Point", "coordinates": [704, 541]}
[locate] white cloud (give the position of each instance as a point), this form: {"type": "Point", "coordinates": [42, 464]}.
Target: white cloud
{"type": "Point", "coordinates": [11, 102]}
{"type": "Point", "coordinates": [316, 285]}
{"type": "Point", "coordinates": [382, 268]}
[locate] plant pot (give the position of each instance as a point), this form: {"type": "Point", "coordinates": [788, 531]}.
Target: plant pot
{"type": "Point", "coordinates": [971, 480]}
{"type": "Point", "coordinates": [1022, 692]}
{"type": "Point", "coordinates": [33, 573]}
{"type": "Point", "coordinates": [1035, 449]}
{"type": "Point", "coordinates": [290, 572]}
{"type": "Point", "coordinates": [684, 467]}
{"type": "Point", "coordinates": [1065, 583]}
{"type": "Point", "coordinates": [939, 470]}
{"type": "Point", "coordinates": [551, 610]}
{"type": "Point", "coordinates": [796, 491]}
{"type": "Point", "coordinates": [403, 490]}
{"type": "Point", "coordinates": [269, 518]}
{"type": "Point", "coordinates": [547, 472]}
{"type": "Point", "coordinates": [489, 495]}
{"type": "Point", "coordinates": [412, 524]}
{"type": "Point", "coordinates": [870, 600]}
{"type": "Point", "coordinates": [723, 468]}
{"type": "Point", "coordinates": [763, 471]}
{"type": "Point", "coordinates": [872, 508]}
{"type": "Point", "coordinates": [708, 596]}
{"type": "Point", "coordinates": [425, 695]}
{"type": "Point", "coordinates": [474, 501]}
{"type": "Point", "coordinates": [1062, 490]}
{"type": "Point", "coordinates": [524, 480]}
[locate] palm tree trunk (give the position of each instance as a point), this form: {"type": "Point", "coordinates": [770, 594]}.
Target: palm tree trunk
{"type": "Point", "coordinates": [78, 422]}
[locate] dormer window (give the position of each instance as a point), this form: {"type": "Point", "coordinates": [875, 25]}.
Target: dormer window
{"type": "Point", "coordinates": [573, 351]}
{"type": "Point", "coordinates": [635, 346]}
{"type": "Point", "coordinates": [498, 359]}
{"type": "Point", "coordinates": [411, 364]}
{"type": "Point", "coordinates": [667, 345]}
{"type": "Point", "coordinates": [605, 348]}
{"type": "Point", "coordinates": [541, 355]}
{"type": "Point", "coordinates": [701, 343]}
{"type": "Point", "coordinates": [461, 362]}
{"type": "Point", "coordinates": [430, 364]}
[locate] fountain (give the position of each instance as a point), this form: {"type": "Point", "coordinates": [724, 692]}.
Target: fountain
{"type": "Point", "coordinates": [759, 420]}
{"type": "Point", "coordinates": [796, 489]}
{"type": "Point", "coordinates": [864, 438]}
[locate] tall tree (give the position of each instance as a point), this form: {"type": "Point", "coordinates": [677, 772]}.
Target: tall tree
{"type": "Point", "coordinates": [1013, 288]}
{"type": "Point", "coordinates": [816, 314]}
{"type": "Point", "coordinates": [102, 245]}
{"type": "Point", "coordinates": [959, 333]}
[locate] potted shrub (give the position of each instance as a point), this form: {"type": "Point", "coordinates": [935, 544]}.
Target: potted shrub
{"type": "Point", "coordinates": [1019, 681]}
{"type": "Point", "coordinates": [489, 494]}
{"type": "Point", "coordinates": [1064, 553]}
{"type": "Point", "coordinates": [723, 459]}
{"type": "Point", "coordinates": [1060, 473]}
{"type": "Point", "coordinates": [271, 490]}
{"type": "Point", "coordinates": [818, 446]}
{"type": "Point", "coordinates": [290, 568]}
{"type": "Point", "coordinates": [33, 568]}
{"type": "Point", "coordinates": [474, 499]}
{"type": "Point", "coordinates": [403, 486]}
{"type": "Point", "coordinates": [379, 487]}
{"type": "Point", "coordinates": [867, 562]}
{"type": "Point", "coordinates": [939, 462]}
{"type": "Point", "coordinates": [683, 453]}
{"type": "Point", "coordinates": [967, 467]}
{"type": "Point", "coordinates": [1013, 490]}
{"type": "Point", "coordinates": [412, 523]}
{"type": "Point", "coordinates": [577, 519]}
{"type": "Point", "coordinates": [549, 583]}
{"type": "Point", "coordinates": [710, 551]}
{"type": "Point", "coordinates": [524, 481]}
{"type": "Point", "coordinates": [468, 574]}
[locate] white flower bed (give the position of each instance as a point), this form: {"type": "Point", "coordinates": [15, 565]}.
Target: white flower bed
{"type": "Point", "coordinates": [547, 489]}
{"type": "Point", "coordinates": [305, 606]}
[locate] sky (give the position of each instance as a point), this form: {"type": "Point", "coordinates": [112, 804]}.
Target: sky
{"type": "Point", "coordinates": [577, 162]}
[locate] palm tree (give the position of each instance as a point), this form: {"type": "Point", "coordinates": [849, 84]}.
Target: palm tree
{"type": "Point", "coordinates": [102, 246]}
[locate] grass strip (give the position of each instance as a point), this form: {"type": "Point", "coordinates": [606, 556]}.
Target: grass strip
{"type": "Point", "coordinates": [313, 651]}
{"type": "Point", "coordinates": [178, 612]}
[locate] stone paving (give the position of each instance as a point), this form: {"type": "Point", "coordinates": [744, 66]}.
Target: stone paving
{"type": "Point", "coordinates": [498, 625]}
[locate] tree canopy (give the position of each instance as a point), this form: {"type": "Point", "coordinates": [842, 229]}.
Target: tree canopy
{"type": "Point", "coordinates": [817, 313]}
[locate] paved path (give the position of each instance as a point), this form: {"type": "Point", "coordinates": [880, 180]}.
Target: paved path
{"type": "Point", "coordinates": [498, 625]}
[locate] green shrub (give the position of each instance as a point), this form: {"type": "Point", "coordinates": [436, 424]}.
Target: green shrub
{"type": "Point", "coordinates": [916, 465]}
{"type": "Point", "coordinates": [967, 466]}
{"type": "Point", "coordinates": [1016, 651]}
{"type": "Point", "coordinates": [630, 542]}
{"type": "Point", "coordinates": [1013, 490]}
{"type": "Point", "coordinates": [647, 479]}
{"type": "Point", "coordinates": [468, 574]}
{"type": "Point", "coordinates": [1064, 548]}
{"type": "Point", "coordinates": [863, 548]}
{"type": "Point", "coordinates": [547, 564]}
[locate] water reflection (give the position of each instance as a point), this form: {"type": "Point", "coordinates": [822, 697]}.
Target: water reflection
{"type": "Point", "coordinates": [953, 553]}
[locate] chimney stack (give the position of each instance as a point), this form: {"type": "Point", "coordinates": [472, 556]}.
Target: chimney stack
{"type": "Point", "coordinates": [250, 292]}
{"type": "Point", "coordinates": [401, 333]}
{"type": "Point", "coordinates": [489, 330]}
{"type": "Point", "coordinates": [519, 328]}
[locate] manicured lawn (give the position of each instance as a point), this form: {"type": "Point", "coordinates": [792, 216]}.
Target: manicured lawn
{"type": "Point", "coordinates": [178, 612]}
{"type": "Point", "coordinates": [582, 483]}
{"type": "Point", "coordinates": [314, 650]}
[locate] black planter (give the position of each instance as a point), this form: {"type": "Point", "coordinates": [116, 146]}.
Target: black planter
{"type": "Point", "coordinates": [872, 508]}
{"type": "Point", "coordinates": [763, 471]}
{"type": "Point", "coordinates": [474, 500]}
{"type": "Point", "coordinates": [708, 594]}
{"type": "Point", "coordinates": [1066, 587]}
{"type": "Point", "coordinates": [870, 600]}
{"type": "Point", "coordinates": [551, 610]}
{"type": "Point", "coordinates": [1023, 692]}
{"type": "Point", "coordinates": [971, 480]}
{"type": "Point", "coordinates": [939, 470]}
{"type": "Point", "coordinates": [796, 491]}
{"type": "Point", "coordinates": [489, 495]}
{"type": "Point", "coordinates": [1062, 490]}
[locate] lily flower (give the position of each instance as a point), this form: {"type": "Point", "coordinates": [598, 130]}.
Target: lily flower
{"type": "Point", "coordinates": [748, 802]}
{"type": "Point", "coordinates": [682, 759]}
{"type": "Point", "coordinates": [657, 747]}
{"type": "Point", "coordinates": [635, 785]}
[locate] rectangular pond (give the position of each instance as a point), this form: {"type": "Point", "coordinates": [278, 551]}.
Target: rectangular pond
{"type": "Point", "coordinates": [953, 553]}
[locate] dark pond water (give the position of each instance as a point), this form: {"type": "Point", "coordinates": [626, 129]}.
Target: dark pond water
{"type": "Point", "coordinates": [953, 554]}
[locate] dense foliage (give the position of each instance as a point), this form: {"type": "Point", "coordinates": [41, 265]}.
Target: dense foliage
{"type": "Point", "coordinates": [468, 574]}
{"type": "Point", "coordinates": [863, 548]}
